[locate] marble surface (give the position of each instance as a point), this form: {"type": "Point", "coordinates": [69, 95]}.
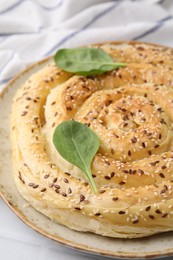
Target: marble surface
{"type": "Point", "coordinates": [18, 241]}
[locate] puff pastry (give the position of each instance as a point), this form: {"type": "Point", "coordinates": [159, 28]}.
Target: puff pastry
{"type": "Point", "coordinates": [130, 109]}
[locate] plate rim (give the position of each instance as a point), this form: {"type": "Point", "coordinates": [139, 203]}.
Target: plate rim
{"type": "Point", "coordinates": [57, 238]}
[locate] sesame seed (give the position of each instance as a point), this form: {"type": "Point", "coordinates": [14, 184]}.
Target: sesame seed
{"type": "Point", "coordinates": [57, 186]}
{"type": "Point", "coordinates": [31, 184]}
{"type": "Point", "coordinates": [46, 176]}
{"type": "Point", "coordinates": [161, 175]}
{"type": "Point", "coordinates": [140, 171]}
{"type": "Point", "coordinates": [69, 190]}
{"type": "Point", "coordinates": [148, 208]}
{"type": "Point", "coordinates": [158, 211]}
{"type": "Point", "coordinates": [134, 140]}
{"type": "Point", "coordinates": [97, 214]}
{"type": "Point", "coordinates": [82, 198]}
{"type": "Point", "coordinates": [166, 187]}
{"type": "Point", "coordinates": [155, 185]}
{"type": "Point", "coordinates": [164, 215]}
{"type": "Point", "coordinates": [125, 171]}
{"type": "Point", "coordinates": [64, 194]}
{"type": "Point", "coordinates": [24, 113]}
{"type": "Point", "coordinates": [162, 121]}
{"type": "Point", "coordinates": [107, 177]}
{"type": "Point", "coordinates": [55, 180]}
{"type": "Point", "coordinates": [162, 191]}
{"type": "Point", "coordinates": [121, 212]}
{"type": "Point", "coordinates": [151, 217]}
{"type": "Point", "coordinates": [43, 189]}
{"type": "Point", "coordinates": [143, 145]}
{"type": "Point", "coordinates": [135, 221]}
{"type": "Point", "coordinates": [115, 198]}
{"type": "Point", "coordinates": [67, 173]}
{"type": "Point", "coordinates": [65, 180]}
{"type": "Point", "coordinates": [130, 171]}
{"type": "Point", "coordinates": [102, 191]}
{"type": "Point", "coordinates": [107, 163]}
{"type": "Point", "coordinates": [154, 163]}
{"type": "Point", "coordinates": [112, 151]}
{"type": "Point", "coordinates": [35, 186]}
{"type": "Point", "coordinates": [129, 153]}
{"type": "Point", "coordinates": [108, 102]}
{"type": "Point", "coordinates": [112, 174]}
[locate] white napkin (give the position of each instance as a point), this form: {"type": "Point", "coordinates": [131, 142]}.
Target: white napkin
{"type": "Point", "coordinates": [33, 29]}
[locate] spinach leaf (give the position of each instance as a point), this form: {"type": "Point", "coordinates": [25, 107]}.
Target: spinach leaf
{"type": "Point", "coordinates": [85, 61]}
{"type": "Point", "coordinates": [77, 144]}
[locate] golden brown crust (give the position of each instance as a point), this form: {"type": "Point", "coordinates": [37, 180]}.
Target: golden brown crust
{"type": "Point", "coordinates": [130, 109]}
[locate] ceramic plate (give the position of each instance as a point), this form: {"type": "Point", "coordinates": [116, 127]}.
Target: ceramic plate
{"type": "Point", "coordinates": [154, 246]}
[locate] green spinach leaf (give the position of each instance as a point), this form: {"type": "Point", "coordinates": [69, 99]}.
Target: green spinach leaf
{"type": "Point", "coordinates": [85, 61]}
{"type": "Point", "coordinates": [77, 144]}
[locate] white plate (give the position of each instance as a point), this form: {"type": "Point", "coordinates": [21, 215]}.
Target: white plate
{"type": "Point", "coordinates": [154, 246]}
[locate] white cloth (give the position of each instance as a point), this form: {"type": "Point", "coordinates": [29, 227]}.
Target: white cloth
{"type": "Point", "coordinates": [33, 29]}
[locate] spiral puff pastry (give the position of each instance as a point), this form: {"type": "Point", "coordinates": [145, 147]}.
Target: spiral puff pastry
{"type": "Point", "coordinates": [130, 109]}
